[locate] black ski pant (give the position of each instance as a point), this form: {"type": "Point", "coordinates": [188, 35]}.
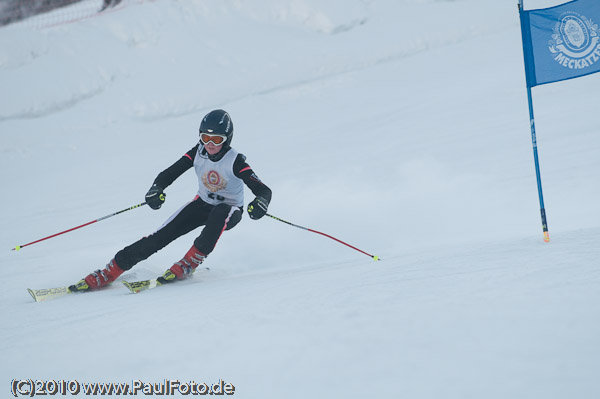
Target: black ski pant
{"type": "Point", "coordinates": [215, 219]}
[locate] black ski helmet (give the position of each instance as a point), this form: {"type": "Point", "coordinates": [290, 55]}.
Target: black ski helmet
{"type": "Point", "coordinates": [218, 122]}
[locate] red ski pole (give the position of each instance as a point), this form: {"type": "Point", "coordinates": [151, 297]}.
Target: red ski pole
{"type": "Point", "coordinates": [375, 257]}
{"type": "Point", "coordinates": [18, 247]}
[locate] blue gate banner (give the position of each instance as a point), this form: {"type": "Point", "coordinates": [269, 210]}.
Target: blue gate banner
{"type": "Point", "coordinates": [561, 42]}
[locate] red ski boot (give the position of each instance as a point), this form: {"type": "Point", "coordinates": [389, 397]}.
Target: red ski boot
{"type": "Point", "coordinates": [184, 268]}
{"type": "Point", "coordinates": [99, 278]}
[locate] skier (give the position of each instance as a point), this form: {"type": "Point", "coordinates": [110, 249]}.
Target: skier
{"type": "Point", "coordinates": [221, 171]}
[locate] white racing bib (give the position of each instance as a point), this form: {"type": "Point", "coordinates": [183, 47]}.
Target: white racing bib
{"type": "Point", "coordinates": [217, 183]}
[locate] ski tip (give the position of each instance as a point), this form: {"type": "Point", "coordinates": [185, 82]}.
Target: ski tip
{"type": "Point", "coordinates": [46, 294]}
{"type": "Point", "coordinates": [137, 286]}
{"type": "Point", "coordinates": [129, 287]}
{"type": "Point", "coordinates": [32, 294]}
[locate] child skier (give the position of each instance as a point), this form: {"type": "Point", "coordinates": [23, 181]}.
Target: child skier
{"type": "Point", "coordinates": [222, 172]}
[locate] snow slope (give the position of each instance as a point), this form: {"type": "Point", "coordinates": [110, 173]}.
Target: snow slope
{"type": "Point", "coordinates": [399, 126]}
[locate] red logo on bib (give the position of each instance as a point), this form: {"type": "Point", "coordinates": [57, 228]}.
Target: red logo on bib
{"type": "Point", "coordinates": [213, 181]}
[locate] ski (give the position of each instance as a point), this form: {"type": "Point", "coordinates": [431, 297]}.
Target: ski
{"type": "Point", "coordinates": [46, 294]}
{"type": "Point", "coordinates": [143, 285]}
{"type": "Point", "coordinates": [138, 286]}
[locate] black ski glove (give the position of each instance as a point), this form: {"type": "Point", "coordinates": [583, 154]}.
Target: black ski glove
{"type": "Point", "coordinates": [155, 197]}
{"type": "Point", "coordinates": [258, 208]}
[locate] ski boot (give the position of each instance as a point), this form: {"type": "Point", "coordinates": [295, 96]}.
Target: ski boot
{"type": "Point", "coordinates": [98, 279]}
{"type": "Point", "coordinates": [184, 268]}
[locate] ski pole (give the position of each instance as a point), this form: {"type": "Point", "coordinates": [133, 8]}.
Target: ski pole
{"type": "Point", "coordinates": [18, 247]}
{"type": "Point", "coordinates": [375, 257]}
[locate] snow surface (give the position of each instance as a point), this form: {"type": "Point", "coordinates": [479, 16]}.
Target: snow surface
{"type": "Point", "coordinates": [399, 126]}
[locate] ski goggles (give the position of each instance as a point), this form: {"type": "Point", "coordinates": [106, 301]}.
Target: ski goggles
{"type": "Point", "coordinates": [216, 139]}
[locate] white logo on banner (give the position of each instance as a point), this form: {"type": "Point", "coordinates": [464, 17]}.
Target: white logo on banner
{"type": "Point", "coordinates": [575, 41]}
